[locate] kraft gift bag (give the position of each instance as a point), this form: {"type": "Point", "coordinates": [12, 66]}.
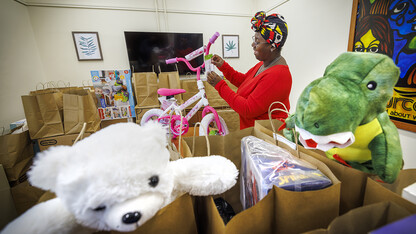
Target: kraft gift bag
{"type": "Point", "coordinates": [25, 196]}
{"type": "Point", "coordinates": [353, 181]}
{"type": "Point", "coordinates": [44, 113]}
{"type": "Point", "coordinates": [79, 108]}
{"type": "Point", "coordinates": [365, 219]}
{"type": "Point", "coordinates": [281, 211]}
{"type": "Point", "coordinates": [177, 217]}
{"type": "Point", "coordinates": [376, 191]}
{"type": "Point", "coordinates": [145, 89]}
{"type": "Point", "coordinates": [191, 88]}
{"type": "Point", "coordinates": [170, 80]}
{"type": "Point", "coordinates": [16, 153]}
{"type": "Point", "coordinates": [214, 98]}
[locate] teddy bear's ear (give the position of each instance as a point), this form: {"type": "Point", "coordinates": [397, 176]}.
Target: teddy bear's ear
{"type": "Point", "coordinates": [203, 176]}
{"type": "Point", "coordinates": [47, 164]}
{"type": "Point", "coordinates": [156, 132]}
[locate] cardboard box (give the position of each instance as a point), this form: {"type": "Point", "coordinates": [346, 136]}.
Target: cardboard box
{"type": "Point", "coordinates": [47, 142]}
{"type": "Point", "coordinates": [106, 123]}
{"type": "Point", "coordinates": [7, 208]}
{"type": "Point", "coordinates": [17, 124]}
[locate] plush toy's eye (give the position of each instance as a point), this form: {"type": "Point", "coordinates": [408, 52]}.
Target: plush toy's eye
{"type": "Point", "coordinates": [316, 125]}
{"type": "Point", "coordinates": [153, 181]}
{"type": "Point", "coordinates": [100, 208]}
{"type": "Point", "coordinates": [371, 85]}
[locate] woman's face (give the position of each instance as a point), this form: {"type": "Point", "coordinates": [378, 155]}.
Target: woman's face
{"type": "Point", "coordinates": [261, 47]}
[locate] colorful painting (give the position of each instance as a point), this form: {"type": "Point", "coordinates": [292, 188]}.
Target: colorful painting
{"type": "Point", "coordinates": [114, 93]}
{"type": "Point", "coordinates": [389, 27]}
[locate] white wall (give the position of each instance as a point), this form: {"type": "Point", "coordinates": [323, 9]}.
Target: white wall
{"type": "Point", "coordinates": [20, 64]}
{"type": "Point", "coordinates": [36, 41]}
{"type": "Point", "coordinates": [55, 24]}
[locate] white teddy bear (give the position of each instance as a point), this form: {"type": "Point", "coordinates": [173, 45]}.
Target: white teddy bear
{"type": "Point", "coordinates": [116, 179]}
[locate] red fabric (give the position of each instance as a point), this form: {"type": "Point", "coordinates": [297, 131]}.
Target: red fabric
{"type": "Point", "coordinates": [255, 94]}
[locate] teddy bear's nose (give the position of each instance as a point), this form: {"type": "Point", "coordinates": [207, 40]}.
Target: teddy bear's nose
{"type": "Point", "coordinates": [131, 217]}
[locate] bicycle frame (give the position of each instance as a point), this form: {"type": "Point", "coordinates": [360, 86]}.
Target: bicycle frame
{"type": "Point", "coordinates": [178, 109]}
{"type": "Point", "coordinates": [203, 101]}
{"type": "Point", "coordinates": [200, 95]}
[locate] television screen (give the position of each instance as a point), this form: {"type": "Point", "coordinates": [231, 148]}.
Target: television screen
{"type": "Point", "coordinates": [147, 51]}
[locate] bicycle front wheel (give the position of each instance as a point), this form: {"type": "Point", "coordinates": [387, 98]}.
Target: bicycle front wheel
{"type": "Point", "coordinates": [209, 126]}
{"type": "Point", "coordinates": [151, 115]}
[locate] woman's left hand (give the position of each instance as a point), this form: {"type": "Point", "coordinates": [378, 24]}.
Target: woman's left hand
{"type": "Point", "coordinates": [213, 78]}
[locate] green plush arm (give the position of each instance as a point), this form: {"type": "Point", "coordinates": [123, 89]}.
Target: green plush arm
{"type": "Point", "coordinates": [290, 126]}
{"type": "Point", "coordinates": [386, 152]}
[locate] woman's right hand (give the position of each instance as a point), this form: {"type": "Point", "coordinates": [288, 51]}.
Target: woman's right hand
{"type": "Point", "coordinates": [217, 61]}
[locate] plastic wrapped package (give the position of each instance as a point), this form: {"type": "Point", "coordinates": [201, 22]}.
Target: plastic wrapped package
{"type": "Point", "coordinates": [264, 165]}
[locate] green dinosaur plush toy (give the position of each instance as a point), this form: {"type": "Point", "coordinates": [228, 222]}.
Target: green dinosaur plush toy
{"type": "Point", "coordinates": [344, 114]}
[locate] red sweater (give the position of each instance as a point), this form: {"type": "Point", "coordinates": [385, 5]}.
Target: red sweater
{"type": "Point", "coordinates": [255, 94]}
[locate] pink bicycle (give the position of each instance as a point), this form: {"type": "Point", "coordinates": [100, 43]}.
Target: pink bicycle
{"type": "Point", "coordinates": [170, 113]}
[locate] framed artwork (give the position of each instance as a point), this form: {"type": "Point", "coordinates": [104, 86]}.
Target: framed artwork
{"type": "Point", "coordinates": [87, 45]}
{"type": "Point", "coordinates": [387, 27]}
{"type": "Point", "coordinates": [230, 46]}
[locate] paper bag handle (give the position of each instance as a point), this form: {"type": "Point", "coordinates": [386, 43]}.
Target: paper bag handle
{"type": "Point", "coordinates": [64, 84]}
{"type": "Point", "coordinates": [273, 128]}
{"type": "Point", "coordinates": [206, 139]}
{"type": "Point", "coordinates": [81, 134]}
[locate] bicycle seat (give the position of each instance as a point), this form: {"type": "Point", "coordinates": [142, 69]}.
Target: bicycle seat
{"type": "Point", "coordinates": [170, 92]}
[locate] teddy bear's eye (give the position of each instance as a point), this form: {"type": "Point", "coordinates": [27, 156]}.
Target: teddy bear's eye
{"type": "Point", "coordinates": [153, 181]}
{"type": "Point", "coordinates": [100, 208]}
{"type": "Point", "coordinates": [371, 85]}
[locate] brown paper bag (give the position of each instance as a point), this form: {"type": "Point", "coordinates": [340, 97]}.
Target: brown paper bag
{"type": "Point", "coordinates": [141, 110]}
{"type": "Point", "coordinates": [214, 99]}
{"type": "Point", "coordinates": [79, 108]}
{"type": "Point", "coordinates": [353, 181]}
{"type": "Point", "coordinates": [170, 80]}
{"type": "Point", "coordinates": [177, 217]}
{"type": "Point", "coordinates": [44, 112]}
{"type": "Point", "coordinates": [231, 118]}
{"type": "Point", "coordinates": [379, 191]}
{"type": "Point", "coordinates": [16, 153]}
{"type": "Point", "coordinates": [7, 209]}
{"type": "Point", "coordinates": [191, 89]}
{"type": "Point", "coordinates": [25, 196]}
{"type": "Point", "coordinates": [365, 219]}
{"type": "Point", "coordinates": [281, 211]}
{"type": "Point", "coordinates": [145, 88]}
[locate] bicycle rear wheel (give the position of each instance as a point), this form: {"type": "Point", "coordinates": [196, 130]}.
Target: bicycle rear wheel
{"type": "Point", "coordinates": [209, 126]}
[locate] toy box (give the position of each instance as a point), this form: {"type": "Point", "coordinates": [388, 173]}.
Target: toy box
{"type": "Point", "coordinates": [409, 193]}
{"type": "Point", "coordinates": [264, 165]}
{"type": "Point", "coordinates": [114, 94]}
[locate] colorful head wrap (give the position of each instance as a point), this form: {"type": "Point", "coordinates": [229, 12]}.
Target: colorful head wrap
{"type": "Point", "coordinates": [272, 28]}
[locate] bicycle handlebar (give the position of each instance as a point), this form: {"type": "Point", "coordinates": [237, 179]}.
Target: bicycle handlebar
{"type": "Point", "coordinates": [172, 60]}
{"type": "Point", "coordinates": [214, 37]}
{"type": "Point", "coordinates": [211, 41]}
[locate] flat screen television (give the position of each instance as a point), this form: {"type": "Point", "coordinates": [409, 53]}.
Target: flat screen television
{"type": "Point", "coordinates": [147, 51]}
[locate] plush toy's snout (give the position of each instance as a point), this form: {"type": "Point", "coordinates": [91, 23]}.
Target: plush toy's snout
{"type": "Point", "coordinates": [131, 217]}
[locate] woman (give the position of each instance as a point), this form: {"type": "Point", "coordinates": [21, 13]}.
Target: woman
{"type": "Point", "coordinates": [268, 81]}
